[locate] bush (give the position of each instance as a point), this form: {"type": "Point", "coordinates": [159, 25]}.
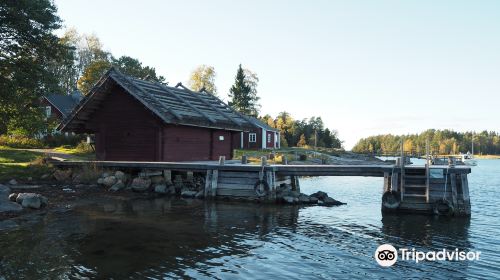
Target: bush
{"type": "Point", "coordinates": [63, 140]}
{"type": "Point", "coordinates": [20, 142]}
{"type": "Point", "coordinates": [83, 148]}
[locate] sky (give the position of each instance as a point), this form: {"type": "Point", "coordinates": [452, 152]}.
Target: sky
{"type": "Point", "coordinates": [366, 67]}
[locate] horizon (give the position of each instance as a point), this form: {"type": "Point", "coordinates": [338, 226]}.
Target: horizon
{"type": "Point", "coordinates": [391, 72]}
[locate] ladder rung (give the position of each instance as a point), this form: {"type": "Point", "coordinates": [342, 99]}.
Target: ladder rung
{"type": "Point", "coordinates": [415, 176]}
{"type": "Point", "coordinates": [415, 195]}
{"type": "Point", "coordinates": [416, 186]}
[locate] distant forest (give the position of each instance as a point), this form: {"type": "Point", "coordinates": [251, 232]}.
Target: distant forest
{"type": "Point", "coordinates": [443, 142]}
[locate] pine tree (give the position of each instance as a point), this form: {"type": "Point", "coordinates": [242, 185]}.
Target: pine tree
{"type": "Point", "coordinates": [242, 99]}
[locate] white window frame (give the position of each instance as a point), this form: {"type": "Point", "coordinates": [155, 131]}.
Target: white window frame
{"type": "Point", "coordinates": [252, 137]}
{"type": "Point", "coordinates": [48, 111]}
{"type": "Point", "coordinates": [269, 136]}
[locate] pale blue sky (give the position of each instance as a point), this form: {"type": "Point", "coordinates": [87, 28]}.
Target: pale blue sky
{"type": "Point", "coordinates": [366, 67]}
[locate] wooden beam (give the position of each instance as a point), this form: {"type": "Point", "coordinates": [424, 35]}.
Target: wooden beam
{"type": "Point", "coordinates": [215, 179]}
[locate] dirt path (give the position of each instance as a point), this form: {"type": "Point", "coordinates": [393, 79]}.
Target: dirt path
{"type": "Point", "coordinates": [50, 153]}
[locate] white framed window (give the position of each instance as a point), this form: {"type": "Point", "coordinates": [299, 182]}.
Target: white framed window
{"type": "Point", "coordinates": [269, 138]}
{"type": "Point", "coordinates": [48, 111]}
{"type": "Point", "coordinates": [221, 138]}
{"type": "Point", "coordinates": [252, 137]}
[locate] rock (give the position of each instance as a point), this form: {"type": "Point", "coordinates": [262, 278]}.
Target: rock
{"type": "Point", "coordinates": [294, 193]}
{"type": "Point", "coordinates": [313, 200]}
{"type": "Point", "coordinates": [289, 199]}
{"type": "Point", "coordinates": [4, 191]}
{"type": "Point", "coordinates": [140, 184]}
{"type": "Point", "coordinates": [200, 194]}
{"type": "Point", "coordinates": [328, 201]}
{"type": "Point", "coordinates": [100, 181]}
{"type": "Point", "coordinates": [187, 193]}
{"type": "Point", "coordinates": [171, 189]}
{"type": "Point", "coordinates": [62, 175]}
{"type": "Point", "coordinates": [13, 182]}
{"type": "Point", "coordinates": [320, 195]}
{"type": "Point", "coordinates": [157, 179]}
{"type": "Point", "coordinates": [121, 176]}
{"type": "Point", "coordinates": [30, 179]}
{"type": "Point", "coordinates": [12, 197]}
{"type": "Point", "coordinates": [161, 188]}
{"type": "Point", "coordinates": [45, 176]}
{"type": "Point", "coordinates": [109, 181]}
{"type": "Point", "coordinates": [105, 174]}
{"type": "Point", "coordinates": [31, 200]}
{"type": "Point", "coordinates": [77, 178]}
{"type": "Point", "coordinates": [68, 190]}
{"type": "Point", "coordinates": [303, 198]}
{"type": "Point", "coordinates": [117, 186]}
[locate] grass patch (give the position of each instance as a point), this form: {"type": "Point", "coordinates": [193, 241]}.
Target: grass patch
{"type": "Point", "coordinates": [82, 151]}
{"type": "Point", "coordinates": [9, 155]}
{"type": "Point", "coordinates": [20, 164]}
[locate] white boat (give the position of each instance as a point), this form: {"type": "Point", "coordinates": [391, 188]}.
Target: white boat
{"type": "Point", "coordinates": [468, 159]}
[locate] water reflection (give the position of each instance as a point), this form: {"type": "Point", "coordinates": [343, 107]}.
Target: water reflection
{"type": "Point", "coordinates": [146, 238]}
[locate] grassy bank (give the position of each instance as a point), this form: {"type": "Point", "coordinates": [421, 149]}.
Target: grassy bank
{"type": "Point", "coordinates": [21, 164]}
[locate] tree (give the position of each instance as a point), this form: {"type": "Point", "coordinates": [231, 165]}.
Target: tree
{"type": "Point", "coordinates": [302, 142]}
{"type": "Point", "coordinates": [126, 64]}
{"type": "Point", "coordinates": [203, 77]}
{"type": "Point", "coordinates": [241, 97]}
{"type": "Point", "coordinates": [92, 74]}
{"type": "Point", "coordinates": [252, 80]}
{"type": "Point", "coordinates": [27, 48]}
{"type": "Point", "coordinates": [133, 67]}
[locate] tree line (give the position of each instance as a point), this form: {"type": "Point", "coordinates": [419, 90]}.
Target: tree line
{"type": "Point", "coordinates": [301, 133]}
{"type": "Point", "coordinates": [444, 142]}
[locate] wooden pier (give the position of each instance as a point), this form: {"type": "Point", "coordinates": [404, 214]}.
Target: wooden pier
{"type": "Point", "coordinates": [426, 189]}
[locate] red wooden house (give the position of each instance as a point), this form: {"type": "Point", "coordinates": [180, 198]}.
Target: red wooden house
{"type": "Point", "coordinates": [262, 136]}
{"type": "Point", "coordinates": [138, 120]}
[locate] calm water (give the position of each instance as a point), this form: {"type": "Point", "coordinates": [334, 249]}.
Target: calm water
{"type": "Point", "coordinates": [165, 238]}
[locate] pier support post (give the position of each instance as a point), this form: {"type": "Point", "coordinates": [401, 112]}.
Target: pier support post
{"type": "Point", "coordinates": [244, 159]}
{"type": "Point", "coordinates": [208, 183]}
{"type": "Point", "coordinates": [215, 179]}
{"type": "Point", "coordinates": [167, 174]}
{"type": "Point", "coordinates": [222, 160]}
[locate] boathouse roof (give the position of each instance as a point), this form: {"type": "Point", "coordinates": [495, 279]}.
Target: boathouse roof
{"type": "Point", "coordinates": [173, 105]}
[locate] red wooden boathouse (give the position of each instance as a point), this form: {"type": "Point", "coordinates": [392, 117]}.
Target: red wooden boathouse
{"type": "Point", "coordinates": [139, 120]}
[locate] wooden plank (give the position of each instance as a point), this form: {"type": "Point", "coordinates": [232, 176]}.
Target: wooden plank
{"type": "Point", "coordinates": [387, 184]}
{"type": "Point", "coordinates": [226, 174]}
{"type": "Point", "coordinates": [236, 193]}
{"type": "Point", "coordinates": [235, 186]}
{"type": "Point", "coordinates": [215, 179]}
{"type": "Point", "coordinates": [240, 181]}
{"type": "Point", "coordinates": [465, 193]}
{"type": "Point", "coordinates": [395, 182]}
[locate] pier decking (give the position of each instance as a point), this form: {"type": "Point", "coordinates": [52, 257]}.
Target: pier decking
{"type": "Point", "coordinates": [423, 189]}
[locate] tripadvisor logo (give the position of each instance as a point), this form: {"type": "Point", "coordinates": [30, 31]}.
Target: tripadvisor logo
{"type": "Point", "coordinates": [386, 255]}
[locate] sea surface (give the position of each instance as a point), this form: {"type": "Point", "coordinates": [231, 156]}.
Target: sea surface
{"type": "Point", "coordinates": [172, 238]}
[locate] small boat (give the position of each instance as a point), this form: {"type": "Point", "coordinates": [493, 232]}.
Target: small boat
{"type": "Point", "coordinates": [468, 159]}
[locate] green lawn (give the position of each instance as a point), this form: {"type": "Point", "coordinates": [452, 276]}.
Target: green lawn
{"type": "Point", "coordinates": [19, 165]}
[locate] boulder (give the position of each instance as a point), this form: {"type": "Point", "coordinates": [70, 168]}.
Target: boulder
{"type": "Point", "coordinates": [13, 182]}
{"type": "Point", "coordinates": [303, 198]}
{"type": "Point", "coordinates": [105, 174]}
{"type": "Point", "coordinates": [289, 199]}
{"type": "Point", "coordinates": [157, 179]}
{"type": "Point", "coordinates": [328, 201]}
{"type": "Point", "coordinates": [117, 186]}
{"type": "Point", "coordinates": [62, 175]}
{"type": "Point", "coordinates": [140, 184]}
{"type": "Point", "coordinates": [161, 188]}
{"type": "Point", "coordinates": [13, 197]}
{"type": "Point", "coordinates": [45, 176]}
{"type": "Point", "coordinates": [171, 189]}
{"type": "Point", "coordinates": [187, 193]}
{"type": "Point", "coordinates": [320, 195]}
{"type": "Point", "coordinates": [31, 200]}
{"type": "Point", "coordinates": [109, 181]}
{"type": "Point", "coordinates": [121, 176]}
{"type": "Point", "coordinates": [200, 194]}
{"type": "Point", "coordinates": [4, 190]}
{"type": "Point", "coordinates": [100, 181]}
{"type": "Point", "coordinates": [313, 200]}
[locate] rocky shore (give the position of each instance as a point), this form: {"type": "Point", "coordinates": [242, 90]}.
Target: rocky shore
{"type": "Point", "coordinates": [64, 187]}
